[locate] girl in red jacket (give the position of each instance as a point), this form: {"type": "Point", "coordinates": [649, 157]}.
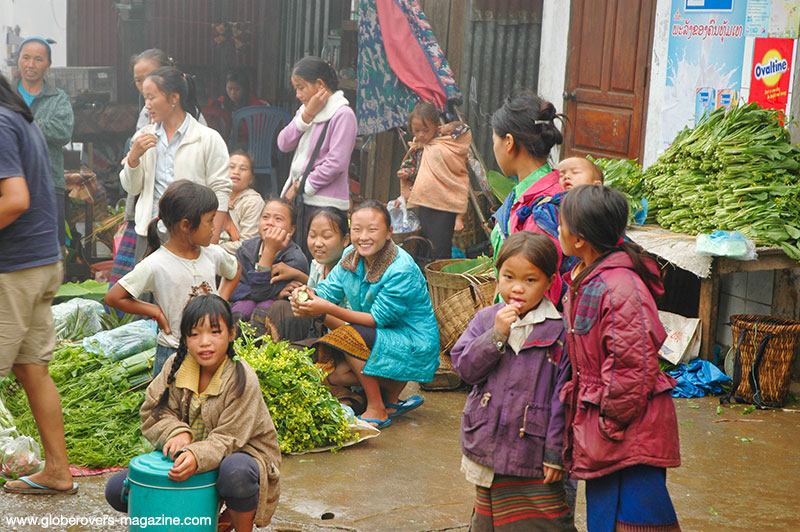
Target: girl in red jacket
{"type": "Point", "coordinates": [622, 431]}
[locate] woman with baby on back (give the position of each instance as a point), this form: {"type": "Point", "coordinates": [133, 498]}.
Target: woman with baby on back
{"type": "Point", "coordinates": [433, 176]}
{"type": "Point", "coordinates": [205, 411]}
{"type": "Point", "coordinates": [524, 133]}
{"type": "Point", "coordinates": [622, 430]}
{"type": "Point", "coordinates": [185, 266]}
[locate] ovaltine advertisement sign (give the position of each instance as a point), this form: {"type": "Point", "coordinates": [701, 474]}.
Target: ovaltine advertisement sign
{"type": "Point", "coordinates": [772, 70]}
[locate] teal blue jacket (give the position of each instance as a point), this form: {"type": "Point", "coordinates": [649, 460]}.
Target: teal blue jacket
{"type": "Point", "coordinates": [395, 293]}
{"type": "Point", "coordinates": [52, 112]}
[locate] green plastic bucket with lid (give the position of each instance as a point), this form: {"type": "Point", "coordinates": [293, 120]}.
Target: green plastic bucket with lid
{"type": "Point", "coordinates": [158, 504]}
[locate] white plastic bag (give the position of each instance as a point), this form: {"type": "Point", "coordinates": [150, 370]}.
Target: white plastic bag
{"type": "Point", "coordinates": [403, 220]}
{"type": "Point", "coordinates": [123, 341]}
{"type": "Point", "coordinates": [77, 318]}
{"type": "Point", "coordinates": [21, 457]}
{"type": "Point", "coordinates": [683, 338]}
{"type": "Point", "coordinates": [731, 244]}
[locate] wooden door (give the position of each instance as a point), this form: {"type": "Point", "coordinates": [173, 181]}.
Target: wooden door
{"type": "Point", "coordinates": [607, 77]}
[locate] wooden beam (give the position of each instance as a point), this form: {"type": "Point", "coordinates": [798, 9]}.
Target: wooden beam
{"type": "Point", "coordinates": [383, 166]}
{"type": "Point", "coordinates": [708, 311]}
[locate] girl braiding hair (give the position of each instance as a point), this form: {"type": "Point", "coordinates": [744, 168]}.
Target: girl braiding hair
{"type": "Point", "coordinates": [199, 308]}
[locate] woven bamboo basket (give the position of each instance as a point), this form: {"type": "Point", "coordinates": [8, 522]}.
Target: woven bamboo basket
{"type": "Point", "coordinates": [455, 313]}
{"type": "Point", "coordinates": [453, 317]}
{"type": "Point", "coordinates": [442, 285]}
{"type": "Point", "coordinates": [772, 341]}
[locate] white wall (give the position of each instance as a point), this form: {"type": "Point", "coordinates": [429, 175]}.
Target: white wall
{"type": "Point", "coordinates": [553, 55]}
{"type": "Point", "coordinates": [36, 18]}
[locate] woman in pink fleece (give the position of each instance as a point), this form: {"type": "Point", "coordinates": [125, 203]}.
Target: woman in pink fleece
{"type": "Point", "coordinates": [324, 119]}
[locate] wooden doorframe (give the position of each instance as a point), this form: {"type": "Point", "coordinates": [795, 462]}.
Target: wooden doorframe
{"type": "Point", "coordinates": [648, 77]}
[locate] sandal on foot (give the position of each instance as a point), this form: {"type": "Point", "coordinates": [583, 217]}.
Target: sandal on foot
{"type": "Point", "coordinates": [35, 489]}
{"type": "Point", "coordinates": [404, 406]}
{"type": "Point", "coordinates": [380, 425]}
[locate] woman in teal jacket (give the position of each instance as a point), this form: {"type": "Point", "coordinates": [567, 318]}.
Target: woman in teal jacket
{"type": "Point", "coordinates": [392, 336]}
{"type": "Point", "coordinates": [52, 112]}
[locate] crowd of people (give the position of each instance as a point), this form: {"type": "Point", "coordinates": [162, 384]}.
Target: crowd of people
{"type": "Point", "coordinates": [563, 367]}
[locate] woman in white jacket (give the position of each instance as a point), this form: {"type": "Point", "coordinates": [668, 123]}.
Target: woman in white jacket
{"type": "Point", "coordinates": [175, 146]}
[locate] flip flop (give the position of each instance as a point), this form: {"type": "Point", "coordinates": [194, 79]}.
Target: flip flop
{"type": "Point", "coordinates": [404, 406]}
{"type": "Point", "coordinates": [36, 489]}
{"type": "Point", "coordinates": [380, 424]}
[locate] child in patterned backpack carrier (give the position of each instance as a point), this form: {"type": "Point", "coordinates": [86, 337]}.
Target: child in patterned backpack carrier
{"type": "Point", "coordinates": [205, 411]}
{"type": "Point", "coordinates": [622, 430]}
{"type": "Point", "coordinates": [433, 176]}
{"type": "Point", "coordinates": [185, 266]}
{"type": "Point", "coordinates": [512, 430]}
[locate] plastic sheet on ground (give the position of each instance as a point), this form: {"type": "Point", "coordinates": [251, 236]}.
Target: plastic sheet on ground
{"type": "Point", "coordinates": [364, 430]}
{"type": "Point", "coordinates": [698, 378]}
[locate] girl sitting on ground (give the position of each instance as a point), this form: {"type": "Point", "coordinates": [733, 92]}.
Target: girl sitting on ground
{"type": "Point", "coordinates": [205, 411]}
{"type": "Point", "coordinates": [260, 254]}
{"type": "Point", "coordinates": [622, 430]}
{"type": "Point", "coordinates": [328, 236]}
{"type": "Point", "coordinates": [433, 176]}
{"type": "Point", "coordinates": [512, 431]}
{"type": "Point", "coordinates": [391, 336]}
{"type": "Point", "coordinates": [244, 209]}
{"type": "Point", "coordinates": [185, 266]}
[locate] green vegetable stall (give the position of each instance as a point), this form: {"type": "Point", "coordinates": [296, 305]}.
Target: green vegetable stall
{"type": "Point", "coordinates": [736, 170]}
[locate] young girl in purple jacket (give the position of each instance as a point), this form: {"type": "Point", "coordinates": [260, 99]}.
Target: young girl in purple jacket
{"type": "Point", "coordinates": [513, 426]}
{"type": "Point", "coordinates": [622, 431]}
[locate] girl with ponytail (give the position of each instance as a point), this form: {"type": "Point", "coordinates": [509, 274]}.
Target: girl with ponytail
{"type": "Point", "coordinates": [622, 431]}
{"type": "Point", "coordinates": [206, 411]}
{"type": "Point", "coordinates": [185, 266]}
{"type": "Point", "coordinates": [324, 126]}
{"type": "Point", "coordinates": [174, 146]}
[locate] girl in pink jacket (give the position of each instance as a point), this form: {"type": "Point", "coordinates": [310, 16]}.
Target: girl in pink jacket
{"type": "Point", "coordinates": [622, 431]}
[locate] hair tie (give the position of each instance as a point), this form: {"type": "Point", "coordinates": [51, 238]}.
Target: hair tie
{"type": "Point", "coordinates": [620, 241]}
{"type": "Point", "coordinates": [542, 122]}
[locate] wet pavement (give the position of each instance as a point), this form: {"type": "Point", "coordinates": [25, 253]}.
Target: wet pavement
{"type": "Point", "coordinates": [739, 473]}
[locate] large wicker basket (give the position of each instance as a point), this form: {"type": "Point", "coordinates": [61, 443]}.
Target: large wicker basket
{"type": "Point", "coordinates": [453, 316]}
{"type": "Point", "coordinates": [455, 313]}
{"type": "Point", "coordinates": [442, 285]}
{"type": "Point", "coordinates": [765, 348]}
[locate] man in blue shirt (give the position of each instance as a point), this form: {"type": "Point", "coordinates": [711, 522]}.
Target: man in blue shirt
{"type": "Point", "coordinates": [30, 274]}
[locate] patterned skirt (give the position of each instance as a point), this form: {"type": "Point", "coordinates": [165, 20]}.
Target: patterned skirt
{"type": "Point", "coordinates": [519, 504]}
{"type": "Point", "coordinates": [634, 499]}
{"type": "Point", "coordinates": [348, 340]}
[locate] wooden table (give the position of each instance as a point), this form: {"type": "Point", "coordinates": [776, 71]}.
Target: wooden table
{"type": "Point", "coordinates": [678, 249]}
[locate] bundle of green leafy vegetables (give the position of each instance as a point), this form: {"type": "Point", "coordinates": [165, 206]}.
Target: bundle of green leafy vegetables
{"type": "Point", "coordinates": [305, 414]}
{"type": "Point", "coordinates": [735, 171]}
{"type": "Point", "coordinates": [102, 427]}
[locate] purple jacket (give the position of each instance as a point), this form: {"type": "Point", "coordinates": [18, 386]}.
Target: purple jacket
{"type": "Point", "coordinates": [619, 409]}
{"type": "Point", "coordinates": [513, 419]}
{"type": "Point", "coordinates": [329, 179]}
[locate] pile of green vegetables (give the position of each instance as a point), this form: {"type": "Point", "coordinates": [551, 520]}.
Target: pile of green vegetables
{"type": "Point", "coordinates": [735, 171]}
{"type": "Point", "coordinates": [100, 401]}
{"type": "Point", "coordinates": [305, 414]}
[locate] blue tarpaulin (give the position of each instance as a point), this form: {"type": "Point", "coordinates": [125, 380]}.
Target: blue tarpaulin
{"type": "Point", "coordinates": [698, 378]}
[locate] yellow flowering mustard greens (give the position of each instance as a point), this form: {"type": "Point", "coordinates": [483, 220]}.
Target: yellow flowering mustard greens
{"type": "Point", "coordinates": [305, 413]}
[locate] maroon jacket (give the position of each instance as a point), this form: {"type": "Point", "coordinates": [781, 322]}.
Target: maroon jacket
{"type": "Point", "coordinates": [619, 410]}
